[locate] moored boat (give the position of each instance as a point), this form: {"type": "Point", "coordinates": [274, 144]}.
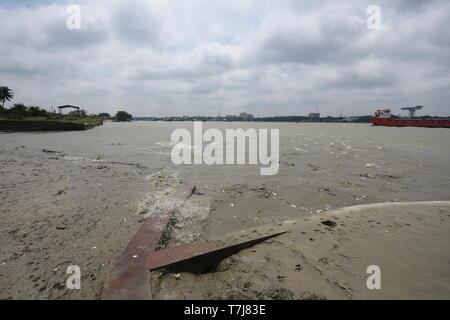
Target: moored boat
{"type": "Point", "coordinates": [385, 118]}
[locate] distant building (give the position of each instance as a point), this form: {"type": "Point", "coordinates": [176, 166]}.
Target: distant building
{"type": "Point", "coordinates": [70, 107]}
{"type": "Point", "coordinates": [314, 116]}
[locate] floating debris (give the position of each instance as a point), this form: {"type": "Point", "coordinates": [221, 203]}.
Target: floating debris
{"type": "Point", "coordinates": [314, 168]}
{"type": "Point", "coordinates": [329, 223]}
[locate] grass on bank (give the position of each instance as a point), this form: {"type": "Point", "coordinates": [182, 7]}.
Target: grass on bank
{"type": "Point", "coordinates": [71, 120]}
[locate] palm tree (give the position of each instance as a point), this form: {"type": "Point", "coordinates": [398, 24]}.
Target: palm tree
{"type": "Point", "coordinates": [6, 94]}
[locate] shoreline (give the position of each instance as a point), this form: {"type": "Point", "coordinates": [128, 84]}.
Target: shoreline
{"type": "Point", "coordinates": [44, 125]}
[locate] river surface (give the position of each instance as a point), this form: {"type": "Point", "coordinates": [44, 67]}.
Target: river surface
{"type": "Point", "coordinates": [77, 198]}
{"type": "Point", "coordinates": [322, 166]}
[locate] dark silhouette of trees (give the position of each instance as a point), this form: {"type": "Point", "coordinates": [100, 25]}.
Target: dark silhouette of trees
{"type": "Point", "coordinates": [34, 111]}
{"type": "Point", "coordinates": [123, 116]}
{"type": "Point", "coordinates": [6, 94]}
{"type": "Point", "coordinates": [77, 114]}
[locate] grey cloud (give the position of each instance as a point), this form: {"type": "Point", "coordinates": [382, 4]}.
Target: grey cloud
{"type": "Point", "coordinates": [308, 38]}
{"type": "Point", "coordinates": [49, 32]}
{"type": "Point", "coordinates": [14, 68]}
{"type": "Point", "coordinates": [282, 49]}
{"type": "Point", "coordinates": [412, 5]}
{"type": "Point", "coordinates": [182, 74]}
{"type": "Point", "coordinates": [60, 37]}
{"type": "Point", "coordinates": [134, 24]}
{"type": "Point", "coordinates": [281, 57]}
{"type": "Point", "coordinates": [209, 64]}
{"type": "Point", "coordinates": [352, 80]}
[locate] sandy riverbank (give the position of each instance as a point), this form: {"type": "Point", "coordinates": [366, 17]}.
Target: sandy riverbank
{"type": "Point", "coordinates": [59, 210]}
{"type": "Point", "coordinates": [408, 241]}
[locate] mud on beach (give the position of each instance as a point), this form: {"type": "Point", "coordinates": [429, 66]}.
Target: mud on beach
{"type": "Point", "coordinates": [59, 210]}
{"type": "Point", "coordinates": [327, 257]}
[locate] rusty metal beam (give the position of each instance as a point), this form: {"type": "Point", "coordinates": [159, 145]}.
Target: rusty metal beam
{"type": "Point", "coordinates": [130, 279]}
{"type": "Point", "coordinates": [200, 256]}
{"type": "Point", "coordinates": [159, 259]}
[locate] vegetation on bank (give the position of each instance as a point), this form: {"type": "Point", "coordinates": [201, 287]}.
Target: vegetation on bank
{"type": "Point", "coordinates": [6, 94]}
{"type": "Point", "coordinates": [123, 116]}
{"type": "Point", "coordinates": [21, 112]}
{"type": "Point", "coordinates": [93, 121]}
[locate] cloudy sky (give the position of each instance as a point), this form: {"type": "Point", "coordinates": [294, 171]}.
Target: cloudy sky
{"type": "Point", "coordinates": [266, 57]}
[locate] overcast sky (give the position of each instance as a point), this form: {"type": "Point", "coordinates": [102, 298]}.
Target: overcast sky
{"type": "Point", "coordinates": [277, 57]}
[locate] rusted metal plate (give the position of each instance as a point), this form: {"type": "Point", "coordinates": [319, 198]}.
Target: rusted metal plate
{"type": "Point", "coordinates": [129, 279]}
{"type": "Point", "coordinates": [158, 259]}
{"type": "Point", "coordinates": [199, 256]}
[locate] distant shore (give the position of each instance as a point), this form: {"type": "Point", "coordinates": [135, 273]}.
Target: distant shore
{"type": "Point", "coordinates": [363, 119]}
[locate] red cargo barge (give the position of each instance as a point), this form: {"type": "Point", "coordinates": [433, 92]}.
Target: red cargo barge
{"type": "Point", "coordinates": [385, 118]}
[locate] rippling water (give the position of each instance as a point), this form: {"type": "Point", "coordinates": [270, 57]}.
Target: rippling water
{"type": "Point", "coordinates": [322, 166]}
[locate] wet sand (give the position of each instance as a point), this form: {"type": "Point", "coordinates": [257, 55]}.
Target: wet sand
{"type": "Point", "coordinates": [59, 210]}
{"type": "Point", "coordinates": [326, 257]}
{"type": "Point", "coordinates": [54, 214]}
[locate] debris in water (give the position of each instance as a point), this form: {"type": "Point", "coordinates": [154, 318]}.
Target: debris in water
{"type": "Point", "coordinates": [329, 223]}
{"type": "Point", "coordinates": [49, 151]}
{"type": "Point", "coordinates": [314, 168]}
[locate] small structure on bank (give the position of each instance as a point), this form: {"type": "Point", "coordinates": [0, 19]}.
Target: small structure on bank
{"type": "Point", "coordinates": [314, 116]}
{"type": "Point", "coordinates": [60, 108]}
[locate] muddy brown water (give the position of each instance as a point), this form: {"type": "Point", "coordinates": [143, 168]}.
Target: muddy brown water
{"type": "Point", "coordinates": [81, 199]}
{"type": "Point", "coordinates": [322, 166]}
